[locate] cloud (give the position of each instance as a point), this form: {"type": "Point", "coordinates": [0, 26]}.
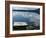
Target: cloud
{"type": "Point", "coordinates": [24, 8]}
{"type": "Point", "coordinates": [31, 16]}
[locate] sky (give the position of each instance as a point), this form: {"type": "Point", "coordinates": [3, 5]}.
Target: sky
{"type": "Point", "coordinates": [27, 15]}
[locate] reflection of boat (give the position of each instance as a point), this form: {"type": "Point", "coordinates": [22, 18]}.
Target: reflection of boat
{"type": "Point", "coordinates": [20, 24]}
